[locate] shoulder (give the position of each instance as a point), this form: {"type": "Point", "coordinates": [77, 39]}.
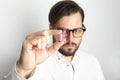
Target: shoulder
{"type": "Point", "coordinates": [86, 57]}
{"type": "Point", "coordinates": [84, 54]}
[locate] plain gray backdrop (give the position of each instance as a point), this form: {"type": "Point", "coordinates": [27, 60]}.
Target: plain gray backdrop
{"type": "Point", "coordinates": [102, 38]}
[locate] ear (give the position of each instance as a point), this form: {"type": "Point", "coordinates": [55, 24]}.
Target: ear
{"type": "Point", "coordinates": [50, 26]}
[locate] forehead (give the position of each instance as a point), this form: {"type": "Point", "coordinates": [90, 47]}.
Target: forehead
{"type": "Point", "coordinates": [70, 22]}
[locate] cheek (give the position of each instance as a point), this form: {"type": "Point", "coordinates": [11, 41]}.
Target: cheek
{"type": "Point", "coordinates": [77, 41]}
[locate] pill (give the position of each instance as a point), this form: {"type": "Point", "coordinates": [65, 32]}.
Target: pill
{"type": "Point", "coordinates": [60, 37]}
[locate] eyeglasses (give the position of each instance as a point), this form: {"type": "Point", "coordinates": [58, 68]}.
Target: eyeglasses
{"type": "Point", "coordinates": [76, 32]}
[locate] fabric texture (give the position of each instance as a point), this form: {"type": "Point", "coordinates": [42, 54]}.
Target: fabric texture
{"type": "Point", "coordinates": [83, 67]}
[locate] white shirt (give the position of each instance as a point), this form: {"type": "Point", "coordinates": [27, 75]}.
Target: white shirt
{"type": "Point", "coordinates": [83, 67]}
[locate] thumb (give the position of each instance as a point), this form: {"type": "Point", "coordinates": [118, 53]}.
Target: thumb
{"type": "Point", "coordinates": [55, 47]}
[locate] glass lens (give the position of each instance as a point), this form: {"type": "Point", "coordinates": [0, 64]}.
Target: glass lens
{"type": "Point", "coordinates": [78, 32]}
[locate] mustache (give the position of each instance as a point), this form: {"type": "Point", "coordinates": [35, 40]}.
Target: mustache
{"type": "Point", "coordinates": [70, 43]}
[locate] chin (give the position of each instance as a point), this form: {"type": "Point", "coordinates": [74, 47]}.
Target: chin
{"type": "Point", "coordinates": [68, 52]}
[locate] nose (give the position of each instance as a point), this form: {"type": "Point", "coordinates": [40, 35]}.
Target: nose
{"type": "Point", "coordinates": [70, 36]}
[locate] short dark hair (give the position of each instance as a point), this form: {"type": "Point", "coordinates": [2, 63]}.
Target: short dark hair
{"type": "Point", "coordinates": [64, 8]}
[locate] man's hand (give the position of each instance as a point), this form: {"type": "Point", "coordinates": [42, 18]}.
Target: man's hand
{"type": "Point", "coordinates": [34, 50]}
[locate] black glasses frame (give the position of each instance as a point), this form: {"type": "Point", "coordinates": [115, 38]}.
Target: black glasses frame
{"type": "Point", "coordinates": [73, 30]}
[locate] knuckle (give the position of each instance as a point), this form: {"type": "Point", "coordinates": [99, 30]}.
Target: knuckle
{"type": "Point", "coordinates": [28, 36]}
{"type": "Point", "coordinates": [44, 32]}
{"type": "Point", "coordinates": [25, 43]}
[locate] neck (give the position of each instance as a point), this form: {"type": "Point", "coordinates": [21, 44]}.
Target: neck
{"type": "Point", "coordinates": [68, 59]}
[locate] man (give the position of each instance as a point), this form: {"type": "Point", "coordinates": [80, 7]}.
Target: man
{"type": "Point", "coordinates": [63, 60]}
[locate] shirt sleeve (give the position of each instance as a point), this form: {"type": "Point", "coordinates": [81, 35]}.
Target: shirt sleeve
{"type": "Point", "coordinates": [36, 75]}
{"type": "Point", "coordinates": [13, 75]}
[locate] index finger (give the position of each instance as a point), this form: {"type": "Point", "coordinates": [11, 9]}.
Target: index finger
{"type": "Point", "coordinates": [50, 32]}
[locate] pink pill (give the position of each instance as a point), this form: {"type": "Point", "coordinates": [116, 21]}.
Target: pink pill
{"type": "Point", "coordinates": [60, 37]}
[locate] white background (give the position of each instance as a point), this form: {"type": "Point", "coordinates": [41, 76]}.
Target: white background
{"type": "Point", "coordinates": [102, 38]}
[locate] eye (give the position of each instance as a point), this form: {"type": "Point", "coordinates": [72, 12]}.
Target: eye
{"type": "Point", "coordinates": [64, 31]}
{"type": "Point", "coordinates": [78, 30]}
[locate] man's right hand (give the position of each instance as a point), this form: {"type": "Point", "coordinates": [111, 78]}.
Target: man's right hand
{"type": "Point", "coordinates": [34, 50]}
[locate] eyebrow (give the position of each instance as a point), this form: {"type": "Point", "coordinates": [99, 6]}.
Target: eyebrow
{"type": "Point", "coordinates": [69, 29]}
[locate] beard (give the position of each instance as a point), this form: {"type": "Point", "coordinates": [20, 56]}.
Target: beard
{"type": "Point", "coordinates": [66, 50]}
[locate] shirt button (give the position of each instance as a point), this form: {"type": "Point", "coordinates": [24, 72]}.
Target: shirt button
{"type": "Point", "coordinates": [58, 58]}
{"type": "Point", "coordinates": [68, 65]}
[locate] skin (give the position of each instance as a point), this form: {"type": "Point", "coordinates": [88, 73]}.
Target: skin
{"type": "Point", "coordinates": [34, 49]}
{"type": "Point", "coordinates": [71, 43]}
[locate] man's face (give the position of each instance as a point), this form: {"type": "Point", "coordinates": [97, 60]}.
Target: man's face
{"type": "Point", "coordinates": [71, 43]}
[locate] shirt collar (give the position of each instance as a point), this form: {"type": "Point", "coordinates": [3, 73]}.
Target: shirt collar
{"type": "Point", "coordinates": [61, 57]}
